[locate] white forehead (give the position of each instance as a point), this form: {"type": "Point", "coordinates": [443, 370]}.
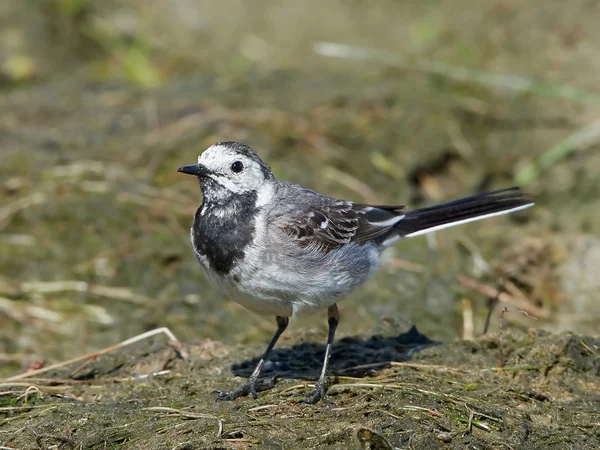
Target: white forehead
{"type": "Point", "coordinates": [216, 155]}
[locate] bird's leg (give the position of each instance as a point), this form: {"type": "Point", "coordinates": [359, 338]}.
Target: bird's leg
{"type": "Point", "coordinates": [333, 318]}
{"type": "Point", "coordinates": [250, 386]}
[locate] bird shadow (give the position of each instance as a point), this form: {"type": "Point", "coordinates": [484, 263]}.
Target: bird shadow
{"type": "Point", "coordinates": [350, 356]}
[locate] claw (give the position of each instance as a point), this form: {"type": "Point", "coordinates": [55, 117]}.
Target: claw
{"type": "Point", "coordinates": [250, 387]}
{"type": "Point", "coordinates": [245, 389]}
{"type": "Point", "coordinates": [318, 394]}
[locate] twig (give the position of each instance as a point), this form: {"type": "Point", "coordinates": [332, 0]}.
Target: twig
{"type": "Point", "coordinates": [81, 367]}
{"type": "Point", "coordinates": [500, 352]}
{"type": "Point", "coordinates": [491, 303]}
{"type": "Point", "coordinates": [480, 265]}
{"type": "Point", "coordinates": [173, 340]}
{"type": "Point", "coordinates": [187, 415]}
{"type": "Point", "coordinates": [503, 297]}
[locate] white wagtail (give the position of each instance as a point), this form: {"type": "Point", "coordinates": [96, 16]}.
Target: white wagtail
{"type": "Point", "coordinates": [281, 249]}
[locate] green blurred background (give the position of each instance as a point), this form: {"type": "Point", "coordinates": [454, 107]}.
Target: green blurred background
{"type": "Point", "coordinates": [386, 102]}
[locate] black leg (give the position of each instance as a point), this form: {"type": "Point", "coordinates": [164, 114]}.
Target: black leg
{"type": "Point", "coordinates": [320, 392]}
{"type": "Point", "coordinates": [251, 385]}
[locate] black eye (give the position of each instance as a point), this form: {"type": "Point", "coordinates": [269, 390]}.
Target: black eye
{"type": "Point", "coordinates": [237, 167]}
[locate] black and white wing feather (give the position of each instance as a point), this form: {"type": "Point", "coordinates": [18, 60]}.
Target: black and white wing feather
{"type": "Point", "coordinates": [334, 223]}
{"type": "Point", "coordinates": [339, 222]}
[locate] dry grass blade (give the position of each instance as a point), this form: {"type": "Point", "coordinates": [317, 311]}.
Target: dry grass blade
{"type": "Point", "coordinates": [173, 340]}
{"type": "Point", "coordinates": [145, 375]}
{"type": "Point", "coordinates": [23, 312]}
{"type": "Point", "coordinates": [7, 307]}
{"type": "Point", "coordinates": [583, 138]}
{"type": "Point", "coordinates": [468, 319]}
{"type": "Point", "coordinates": [29, 390]}
{"type": "Point", "coordinates": [119, 293]}
{"type": "Point", "coordinates": [515, 83]}
{"type": "Point", "coordinates": [412, 365]}
{"type": "Point", "coordinates": [589, 349]}
{"type": "Point", "coordinates": [187, 415]}
{"type": "Point", "coordinates": [10, 210]}
{"type": "Point", "coordinates": [295, 387]}
{"type": "Point", "coordinates": [352, 183]}
{"type": "Point", "coordinates": [409, 266]}
{"type": "Point", "coordinates": [429, 367]}
{"type": "Point", "coordinates": [12, 357]}
{"type": "Point", "coordinates": [54, 383]}
{"type": "Point", "coordinates": [19, 384]}
{"type": "Point", "coordinates": [262, 407]}
{"type": "Point", "coordinates": [23, 408]}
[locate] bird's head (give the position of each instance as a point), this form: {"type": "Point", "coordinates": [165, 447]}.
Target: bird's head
{"type": "Point", "coordinates": [228, 169]}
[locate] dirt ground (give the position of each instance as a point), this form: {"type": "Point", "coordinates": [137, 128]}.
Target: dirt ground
{"type": "Point", "coordinates": [401, 391]}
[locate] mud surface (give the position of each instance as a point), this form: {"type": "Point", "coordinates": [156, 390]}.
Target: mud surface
{"type": "Point", "coordinates": [454, 395]}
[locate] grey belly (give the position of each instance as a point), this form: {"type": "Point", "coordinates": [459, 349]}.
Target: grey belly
{"type": "Point", "coordinates": [287, 283]}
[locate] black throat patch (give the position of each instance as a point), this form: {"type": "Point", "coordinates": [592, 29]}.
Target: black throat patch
{"type": "Point", "coordinates": [221, 233]}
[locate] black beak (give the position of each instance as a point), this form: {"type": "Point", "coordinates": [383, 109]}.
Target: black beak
{"type": "Point", "coordinates": [195, 169]}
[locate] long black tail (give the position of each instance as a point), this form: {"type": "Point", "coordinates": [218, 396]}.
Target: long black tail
{"type": "Point", "coordinates": [468, 209]}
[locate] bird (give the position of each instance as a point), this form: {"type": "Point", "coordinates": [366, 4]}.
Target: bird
{"type": "Point", "coordinates": [281, 249]}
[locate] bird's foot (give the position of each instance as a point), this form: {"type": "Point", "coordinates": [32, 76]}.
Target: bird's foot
{"type": "Point", "coordinates": [318, 394]}
{"type": "Point", "coordinates": [251, 387]}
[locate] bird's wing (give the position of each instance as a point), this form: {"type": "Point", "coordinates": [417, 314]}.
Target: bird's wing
{"type": "Point", "coordinates": [334, 223]}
